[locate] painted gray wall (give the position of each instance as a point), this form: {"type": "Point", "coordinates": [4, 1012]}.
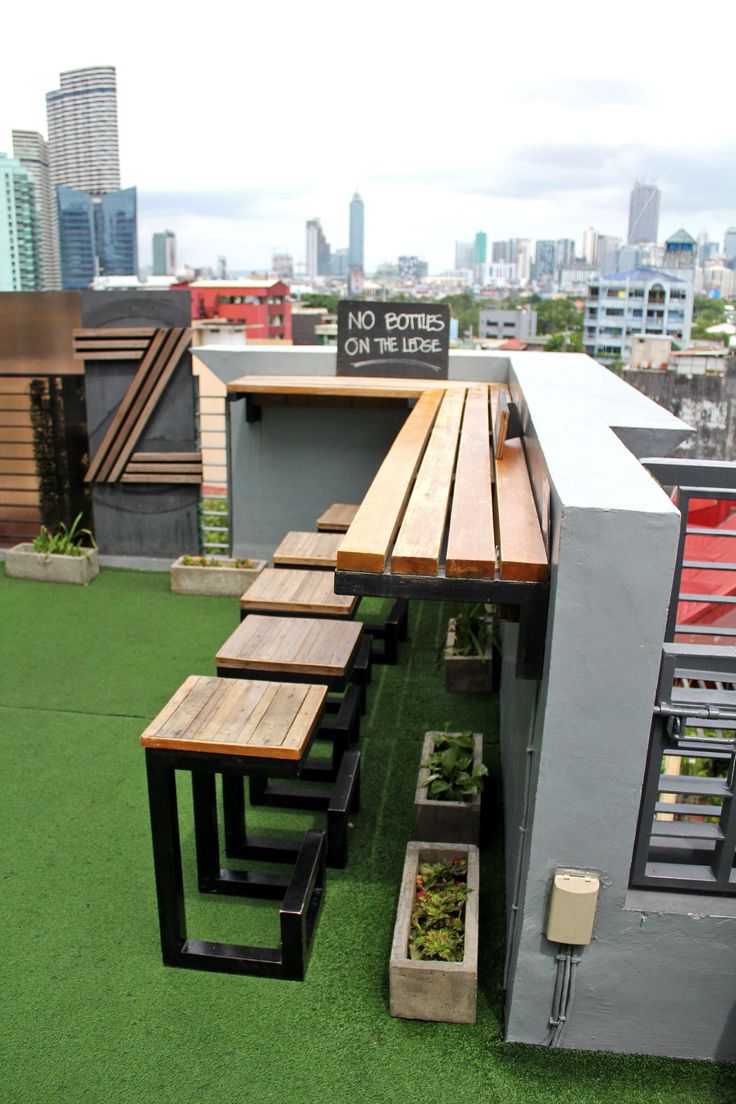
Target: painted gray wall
{"type": "Point", "coordinates": [656, 979]}
{"type": "Point", "coordinates": [707, 402]}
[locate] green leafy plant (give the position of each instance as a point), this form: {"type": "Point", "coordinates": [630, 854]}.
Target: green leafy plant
{"type": "Point", "coordinates": [205, 561]}
{"type": "Point", "coordinates": [472, 625]}
{"type": "Point", "coordinates": [66, 541]}
{"type": "Point", "coordinates": [452, 776]}
{"type": "Point", "coordinates": [437, 929]}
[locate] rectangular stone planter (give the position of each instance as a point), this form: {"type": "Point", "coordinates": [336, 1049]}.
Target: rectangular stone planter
{"type": "Point", "coordinates": [22, 562]}
{"type": "Point", "coordinates": [467, 674]}
{"type": "Point", "coordinates": [443, 991]}
{"type": "Point", "coordinates": [226, 581]}
{"type": "Point", "coordinates": [446, 821]}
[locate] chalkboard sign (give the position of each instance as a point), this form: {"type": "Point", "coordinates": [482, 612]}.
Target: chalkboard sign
{"type": "Point", "coordinates": [409, 340]}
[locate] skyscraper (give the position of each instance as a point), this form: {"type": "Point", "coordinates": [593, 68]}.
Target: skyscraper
{"type": "Point", "coordinates": [97, 235]}
{"type": "Point", "coordinates": [357, 228]}
{"type": "Point", "coordinates": [318, 250]}
{"type": "Point", "coordinates": [30, 148]}
{"type": "Point", "coordinates": [544, 261]}
{"type": "Point", "coordinates": [164, 253]}
{"type": "Point", "coordinates": [464, 255]}
{"type": "Point", "coordinates": [20, 243]}
{"type": "Point", "coordinates": [83, 131]}
{"type": "Point", "coordinates": [643, 213]}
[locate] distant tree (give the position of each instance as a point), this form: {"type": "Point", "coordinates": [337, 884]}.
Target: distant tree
{"type": "Point", "coordinates": [466, 309]}
{"type": "Point", "coordinates": [317, 299]}
{"type": "Point", "coordinates": [558, 315]}
{"type": "Point", "coordinates": [565, 342]}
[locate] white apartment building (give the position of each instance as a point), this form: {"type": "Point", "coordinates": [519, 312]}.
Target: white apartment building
{"type": "Point", "coordinates": [83, 131]}
{"type": "Point", "coordinates": [503, 324]}
{"type": "Point", "coordinates": [642, 301]}
{"type": "Point", "coordinates": [31, 149]}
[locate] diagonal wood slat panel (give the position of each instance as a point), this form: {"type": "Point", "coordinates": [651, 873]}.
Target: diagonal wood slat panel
{"type": "Point", "coordinates": [98, 460]}
{"type": "Point", "coordinates": [174, 348]}
{"type": "Point", "coordinates": [471, 541]}
{"type": "Point", "coordinates": [368, 541]}
{"type": "Point", "coordinates": [419, 543]}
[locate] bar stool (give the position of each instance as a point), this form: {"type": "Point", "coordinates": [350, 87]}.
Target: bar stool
{"type": "Point", "coordinates": [299, 649]}
{"type": "Point", "coordinates": [217, 726]}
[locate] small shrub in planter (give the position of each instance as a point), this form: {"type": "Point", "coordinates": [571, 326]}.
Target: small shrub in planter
{"type": "Point", "coordinates": [448, 794]}
{"type": "Point", "coordinates": [214, 575]}
{"type": "Point", "coordinates": [58, 557]}
{"type": "Point", "coordinates": [468, 651]}
{"type": "Point", "coordinates": [433, 973]}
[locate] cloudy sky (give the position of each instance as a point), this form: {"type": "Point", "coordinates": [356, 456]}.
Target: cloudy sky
{"type": "Point", "coordinates": [447, 118]}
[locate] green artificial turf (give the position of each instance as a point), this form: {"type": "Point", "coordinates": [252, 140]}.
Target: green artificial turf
{"type": "Point", "coordinates": [91, 1015]}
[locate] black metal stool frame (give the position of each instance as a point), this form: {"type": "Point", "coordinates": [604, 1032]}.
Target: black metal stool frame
{"type": "Point", "coordinates": [301, 892]}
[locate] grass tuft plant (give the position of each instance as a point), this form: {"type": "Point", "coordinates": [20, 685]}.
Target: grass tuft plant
{"type": "Point", "coordinates": [66, 541]}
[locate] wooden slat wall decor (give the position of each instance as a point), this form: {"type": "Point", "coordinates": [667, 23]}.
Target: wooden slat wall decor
{"type": "Point", "coordinates": [159, 352]}
{"type": "Point", "coordinates": [20, 507]}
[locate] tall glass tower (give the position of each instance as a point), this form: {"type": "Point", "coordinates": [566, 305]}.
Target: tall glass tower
{"type": "Point", "coordinates": [355, 249]}
{"type": "Point", "coordinates": [83, 130]}
{"type": "Point", "coordinates": [21, 267]}
{"type": "Point", "coordinates": [97, 234]}
{"type": "Point", "coordinates": [643, 213]}
{"type": "Point", "coordinates": [31, 149]}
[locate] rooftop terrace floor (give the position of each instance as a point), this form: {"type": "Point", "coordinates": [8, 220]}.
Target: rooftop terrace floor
{"type": "Point", "coordinates": [89, 1012]}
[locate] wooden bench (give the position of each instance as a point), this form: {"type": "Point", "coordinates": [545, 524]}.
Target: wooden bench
{"type": "Point", "coordinates": [337, 518]}
{"type": "Point", "coordinates": [298, 650]}
{"type": "Point", "coordinates": [216, 726]}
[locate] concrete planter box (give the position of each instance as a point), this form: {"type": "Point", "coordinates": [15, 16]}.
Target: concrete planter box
{"type": "Point", "coordinates": [226, 581]}
{"type": "Point", "coordinates": [22, 562]}
{"type": "Point", "coordinates": [467, 674]}
{"type": "Point", "coordinates": [446, 821]}
{"type": "Point", "coordinates": [444, 991]}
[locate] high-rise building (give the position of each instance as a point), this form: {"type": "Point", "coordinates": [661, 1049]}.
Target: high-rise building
{"type": "Point", "coordinates": [164, 253]}
{"type": "Point", "coordinates": [729, 243]}
{"type": "Point", "coordinates": [31, 149]}
{"type": "Point", "coordinates": [318, 250]}
{"type": "Point", "coordinates": [97, 235]}
{"type": "Point", "coordinates": [523, 260]}
{"type": "Point", "coordinates": [643, 213]}
{"type": "Point", "coordinates": [590, 246]}
{"type": "Point", "coordinates": [609, 260]}
{"type": "Point", "coordinates": [544, 261]}
{"type": "Point", "coordinates": [357, 233]}
{"type": "Point", "coordinates": [83, 131]}
{"type": "Point", "coordinates": [480, 255]}
{"type": "Point", "coordinates": [412, 268]}
{"type": "Point", "coordinates": [564, 252]}
{"type": "Point", "coordinates": [464, 255]}
{"type": "Point", "coordinates": [21, 267]}
{"type": "Point", "coordinates": [500, 252]}
{"type": "Point", "coordinates": [282, 266]}
{"type": "Point", "coordinates": [339, 264]}
{"type": "Point", "coordinates": [680, 253]}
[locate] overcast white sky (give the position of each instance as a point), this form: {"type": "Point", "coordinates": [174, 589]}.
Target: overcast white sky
{"type": "Point", "coordinates": [239, 121]}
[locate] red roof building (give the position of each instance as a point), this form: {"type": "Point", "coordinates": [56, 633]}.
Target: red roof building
{"type": "Point", "coordinates": [262, 306]}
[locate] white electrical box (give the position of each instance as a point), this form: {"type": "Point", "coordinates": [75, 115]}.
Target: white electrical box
{"type": "Point", "coordinates": [572, 907]}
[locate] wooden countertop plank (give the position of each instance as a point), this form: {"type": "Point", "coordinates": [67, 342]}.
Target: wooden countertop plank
{"type": "Point", "coordinates": [522, 551]}
{"type": "Point", "coordinates": [367, 543]}
{"type": "Point", "coordinates": [419, 542]}
{"type": "Point", "coordinates": [471, 542]}
{"type": "Point", "coordinates": [387, 387]}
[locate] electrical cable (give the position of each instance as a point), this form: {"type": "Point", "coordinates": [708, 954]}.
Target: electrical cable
{"type": "Point", "coordinates": [567, 963]}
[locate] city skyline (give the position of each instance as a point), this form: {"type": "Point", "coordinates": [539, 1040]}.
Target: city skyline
{"type": "Point", "coordinates": [575, 138]}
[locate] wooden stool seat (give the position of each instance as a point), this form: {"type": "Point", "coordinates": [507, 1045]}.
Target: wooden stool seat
{"type": "Point", "coordinates": [299, 649]}
{"type": "Point", "coordinates": [299, 549]}
{"type": "Point", "coordinates": [337, 518]}
{"type": "Point", "coordinates": [216, 726]}
{"type": "Point", "coordinates": [291, 591]}
{"type": "Point", "coordinates": [303, 649]}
